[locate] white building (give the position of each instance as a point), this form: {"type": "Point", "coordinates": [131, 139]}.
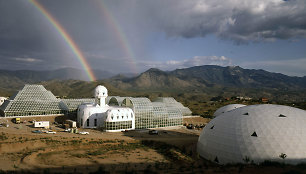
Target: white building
{"type": "Point", "coordinates": [99, 114]}
{"type": "Point", "coordinates": [42, 124]}
{"type": "Point", "coordinates": [255, 133]}
{"type": "Point", "coordinates": [119, 119]}
{"type": "Point", "coordinates": [2, 99]}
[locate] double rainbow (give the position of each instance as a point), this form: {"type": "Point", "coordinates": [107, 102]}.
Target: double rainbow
{"type": "Point", "coordinates": [70, 42]}
{"type": "Point", "coordinates": [119, 34]}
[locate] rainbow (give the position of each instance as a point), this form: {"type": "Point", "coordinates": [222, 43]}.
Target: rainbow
{"type": "Point", "coordinates": [73, 46]}
{"type": "Point", "coordinates": [124, 44]}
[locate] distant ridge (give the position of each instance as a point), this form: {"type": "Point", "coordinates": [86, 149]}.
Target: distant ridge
{"type": "Point", "coordinates": [209, 79]}
{"type": "Point", "coordinates": [212, 75]}
{"type": "Point", "coordinates": [12, 79]}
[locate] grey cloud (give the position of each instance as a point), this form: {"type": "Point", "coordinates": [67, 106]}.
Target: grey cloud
{"type": "Point", "coordinates": [293, 67]}
{"type": "Point", "coordinates": [25, 33]}
{"type": "Point", "coordinates": [239, 20]}
{"type": "Point", "coordinates": [27, 59]}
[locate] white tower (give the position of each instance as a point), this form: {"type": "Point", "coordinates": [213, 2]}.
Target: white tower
{"type": "Point", "coordinates": [100, 95]}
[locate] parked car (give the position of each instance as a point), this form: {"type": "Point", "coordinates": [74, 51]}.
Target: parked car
{"type": "Point", "coordinates": [190, 126]}
{"type": "Point", "coordinates": [84, 133]}
{"type": "Point", "coordinates": [153, 132]}
{"type": "Point", "coordinates": [4, 125]}
{"type": "Point", "coordinates": [67, 130]}
{"type": "Point", "coordinates": [50, 132]}
{"type": "Point", "coordinates": [37, 131]}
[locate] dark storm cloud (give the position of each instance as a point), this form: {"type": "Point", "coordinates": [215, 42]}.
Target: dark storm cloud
{"type": "Point", "coordinates": [238, 20]}
{"type": "Point", "coordinates": [25, 33]}
{"type": "Point", "coordinates": [28, 39]}
{"type": "Point", "coordinates": [17, 30]}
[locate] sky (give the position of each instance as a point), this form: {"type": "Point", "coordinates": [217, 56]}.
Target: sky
{"type": "Point", "coordinates": [132, 36]}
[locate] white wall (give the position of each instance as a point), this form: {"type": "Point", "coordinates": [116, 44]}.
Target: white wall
{"type": "Point", "coordinates": [91, 113]}
{"type": "Point", "coordinates": [43, 124]}
{"type": "Point", "coordinates": [2, 100]}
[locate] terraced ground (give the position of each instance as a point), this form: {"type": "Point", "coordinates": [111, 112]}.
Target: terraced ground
{"type": "Point", "coordinates": [173, 150]}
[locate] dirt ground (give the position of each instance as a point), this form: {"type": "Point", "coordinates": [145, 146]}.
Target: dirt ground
{"type": "Point", "coordinates": [173, 150]}
{"type": "Point", "coordinates": [195, 120]}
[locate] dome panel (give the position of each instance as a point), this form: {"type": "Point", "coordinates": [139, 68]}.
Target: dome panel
{"type": "Point", "coordinates": [227, 108]}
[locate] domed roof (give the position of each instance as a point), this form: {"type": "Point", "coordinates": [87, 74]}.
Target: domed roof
{"type": "Point", "coordinates": [100, 91]}
{"type": "Point", "coordinates": [227, 108]}
{"type": "Point", "coordinates": [119, 114]}
{"type": "Point", "coordinates": [255, 133]}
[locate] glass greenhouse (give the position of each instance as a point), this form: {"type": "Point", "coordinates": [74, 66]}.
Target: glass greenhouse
{"type": "Point", "coordinates": [35, 100]}
{"type": "Point", "coordinates": [161, 115]}
{"type": "Point", "coordinates": [32, 100]}
{"type": "Point", "coordinates": [118, 125]}
{"type": "Point", "coordinates": [143, 110]}
{"type": "Point", "coordinates": [71, 105]}
{"type": "Point", "coordinates": [153, 114]}
{"type": "Point", "coordinates": [115, 101]}
{"type": "Point", "coordinates": [171, 102]}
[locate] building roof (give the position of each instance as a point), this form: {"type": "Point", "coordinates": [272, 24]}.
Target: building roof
{"type": "Point", "coordinates": [115, 100]}
{"type": "Point", "coordinates": [33, 92]}
{"type": "Point", "coordinates": [171, 102]}
{"type": "Point", "coordinates": [73, 104]}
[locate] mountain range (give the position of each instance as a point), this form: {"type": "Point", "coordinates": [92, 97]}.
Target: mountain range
{"type": "Point", "coordinates": [209, 79]}
{"type": "Point", "coordinates": [13, 79]}
{"type": "Point", "coordinates": [210, 76]}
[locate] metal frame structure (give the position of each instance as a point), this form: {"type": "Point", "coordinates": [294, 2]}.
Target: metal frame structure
{"type": "Point", "coordinates": [32, 100]}
{"type": "Point", "coordinates": [171, 102]}
{"type": "Point", "coordinates": [35, 100]}
{"type": "Point", "coordinates": [143, 110]}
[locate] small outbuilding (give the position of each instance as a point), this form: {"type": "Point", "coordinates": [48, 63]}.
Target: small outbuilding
{"type": "Point", "coordinates": [42, 124]}
{"type": "Point", "coordinates": [71, 123]}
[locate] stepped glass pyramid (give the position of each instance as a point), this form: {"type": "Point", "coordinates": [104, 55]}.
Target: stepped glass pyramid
{"type": "Point", "coordinates": [35, 100]}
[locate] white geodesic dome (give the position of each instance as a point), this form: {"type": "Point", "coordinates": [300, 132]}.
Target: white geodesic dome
{"type": "Point", "coordinates": [227, 108]}
{"type": "Point", "coordinates": [255, 133]}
